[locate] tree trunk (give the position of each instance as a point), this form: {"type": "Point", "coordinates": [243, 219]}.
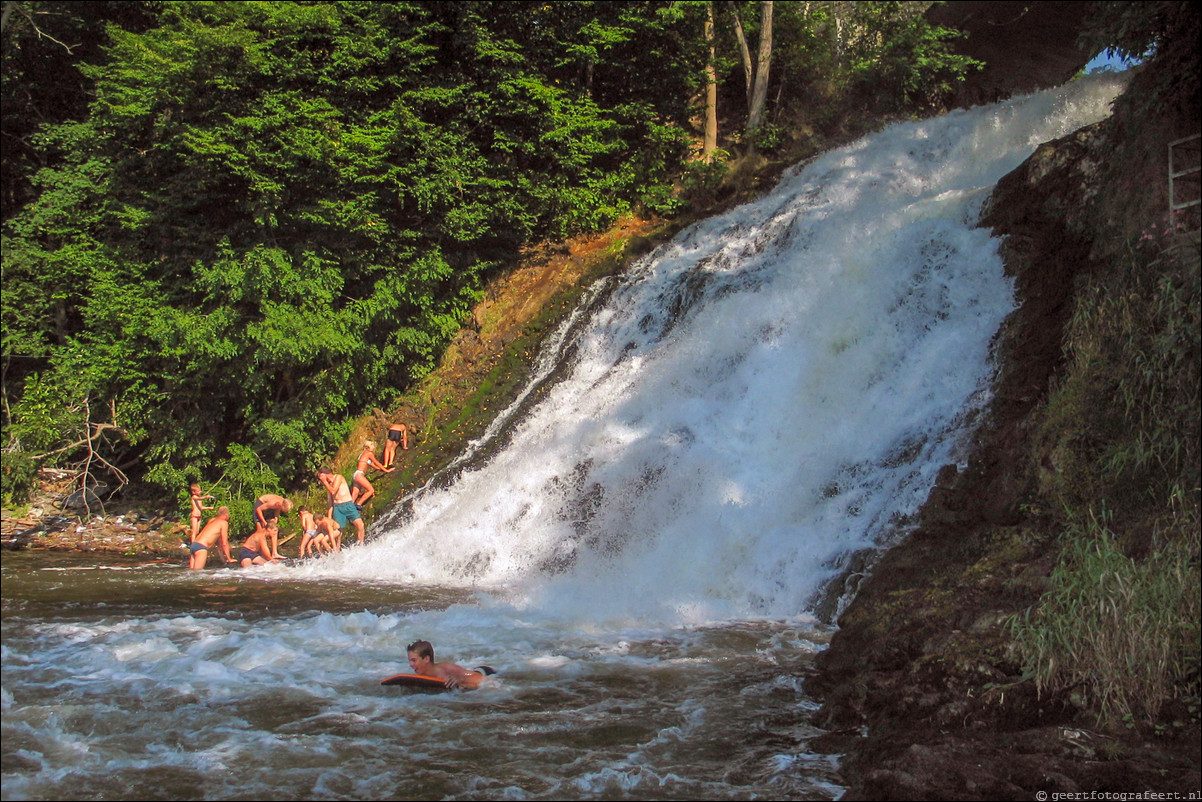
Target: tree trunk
{"type": "Point", "coordinates": [760, 91]}
{"type": "Point", "coordinates": [744, 51]}
{"type": "Point", "coordinates": [710, 142]}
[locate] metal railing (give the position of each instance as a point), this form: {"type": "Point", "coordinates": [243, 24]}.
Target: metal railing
{"type": "Point", "coordinates": [1187, 175]}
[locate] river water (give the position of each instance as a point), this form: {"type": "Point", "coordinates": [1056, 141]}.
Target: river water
{"type": "Point", "coordinates": [641, 546]}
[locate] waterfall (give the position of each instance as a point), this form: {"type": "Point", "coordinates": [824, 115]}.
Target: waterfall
{"type": "Point", "coordinates": [636, 545]}
{"type": "Point", "coordinates": [765, 395]}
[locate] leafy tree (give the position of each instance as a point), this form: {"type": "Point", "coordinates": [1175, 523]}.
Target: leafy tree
{"type": "Point", "coordinates": [900, 60]}
{"type": "Point", "coordinates": [275, 215]}
{"type": "Point", "coordinates": [41, 45]}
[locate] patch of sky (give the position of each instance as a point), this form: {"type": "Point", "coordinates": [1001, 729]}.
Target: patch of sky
{"type": "Point", "coordinates": [1109, 61]}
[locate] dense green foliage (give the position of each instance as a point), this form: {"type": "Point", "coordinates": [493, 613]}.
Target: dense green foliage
{"type": "Point", "coordinates": [233, 226]}
{"type": "Point", "coordinates": [42, 44]}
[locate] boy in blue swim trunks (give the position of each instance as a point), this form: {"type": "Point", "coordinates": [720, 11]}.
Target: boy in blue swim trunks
{"type": "Point", "coordinates": [266, 514]}
{"type": "Point", "coordinates": [342, 508]}
{"type": "Point", "coordinates": [329, 530]}
{"type": "Point", "coordinates": [256, 550]}
{"type": "Point", "coordinates": [218, 528]}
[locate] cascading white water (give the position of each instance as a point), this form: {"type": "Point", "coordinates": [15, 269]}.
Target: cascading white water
{"type": "Point", "coordinates": [637, 553]}
{"type": "Point", "coordinates": [771, 391]}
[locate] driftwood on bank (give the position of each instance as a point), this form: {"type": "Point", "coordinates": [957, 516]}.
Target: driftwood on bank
{"type": "Point", "coordinates": [80, 473]}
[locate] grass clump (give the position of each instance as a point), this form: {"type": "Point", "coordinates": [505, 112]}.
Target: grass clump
{"type": "Point", "coordinates": [1122, 631]}
{"type": "Point", "coordinates": [1124, 423]}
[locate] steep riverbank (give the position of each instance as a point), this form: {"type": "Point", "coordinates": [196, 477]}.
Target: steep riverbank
{"type": "Point", "coordinates": [923, 689]}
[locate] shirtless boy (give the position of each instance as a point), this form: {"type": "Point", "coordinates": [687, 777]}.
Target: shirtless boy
{"type": "Point", "coordinates": [421, 660]}
{"type": "Point", "coordinates": [342, 508]}
{"type": "Point", "coordinates": [198, 506]}
{"type": "Point", "coordinates": [329, 532]}
{"type": "Point", "coordinates": [218, 528]}
{"type": "Point", "coordinates": [398, 434]}
{"type": "Point", "coordinates": [266, 514]}
{"type": "Point", "coordinates": [309, 534]}
{"type": "Point", "coordinates": [256, 550]}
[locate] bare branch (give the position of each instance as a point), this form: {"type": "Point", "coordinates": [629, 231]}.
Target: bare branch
{"type": "Point", "coordinates": [93, 432]}
{"type": "Point", "coordinates": [98, 429]}
{"type": "Point", "coordinates": [24, 10]}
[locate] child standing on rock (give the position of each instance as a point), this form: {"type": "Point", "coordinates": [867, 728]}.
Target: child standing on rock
{"type": "Point", "coordinates": [198, 507]}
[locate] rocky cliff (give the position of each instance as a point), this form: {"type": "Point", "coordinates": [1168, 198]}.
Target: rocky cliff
{"type": "Point", "coordinates": [924, 693]}
{"type": "Point", "coordinates": [922, 659]}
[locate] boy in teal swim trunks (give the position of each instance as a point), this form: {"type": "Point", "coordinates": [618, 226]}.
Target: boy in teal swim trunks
{"type": "Point", "coordinates": [342, 508]}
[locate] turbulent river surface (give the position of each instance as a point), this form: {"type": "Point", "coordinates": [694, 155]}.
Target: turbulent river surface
{"type": "Point", "coordinates": [640, 546]}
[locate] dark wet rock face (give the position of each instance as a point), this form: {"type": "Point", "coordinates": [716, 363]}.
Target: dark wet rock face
{"type": "Point", "coordinates": [921, 692]}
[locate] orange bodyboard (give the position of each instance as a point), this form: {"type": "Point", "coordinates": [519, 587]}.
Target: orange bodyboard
{"type": "Point", "coordinates": [423, 682]}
